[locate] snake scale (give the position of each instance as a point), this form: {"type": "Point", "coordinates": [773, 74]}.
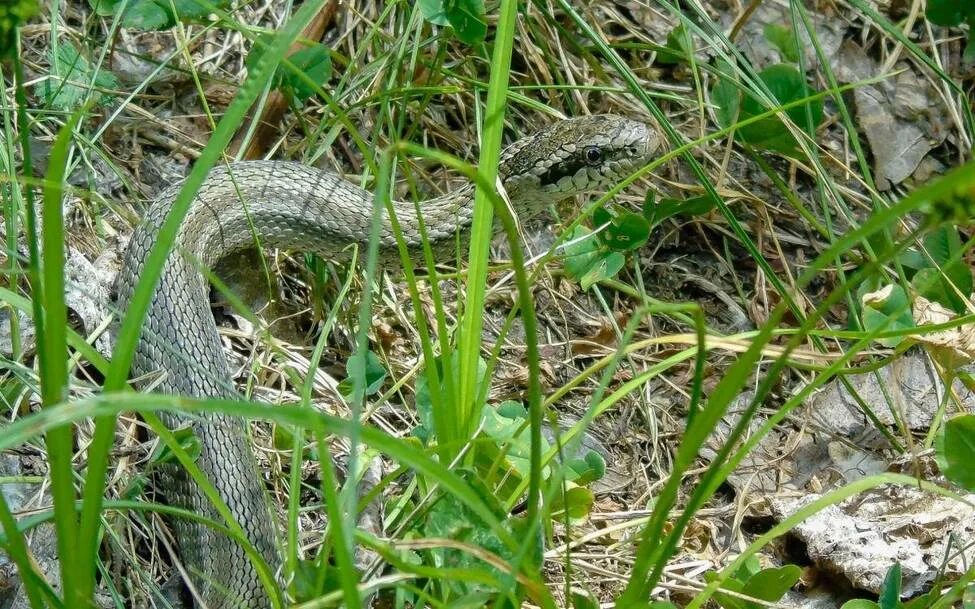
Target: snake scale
{"type": "Point", "coordinates": [289, 205]}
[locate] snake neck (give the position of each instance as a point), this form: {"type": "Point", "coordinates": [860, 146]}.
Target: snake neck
{"type": "Point", "coordinates": [279, 204]}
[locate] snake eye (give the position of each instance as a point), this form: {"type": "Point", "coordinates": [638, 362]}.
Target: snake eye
{"type": "Point", "coordinates": [594, 155]}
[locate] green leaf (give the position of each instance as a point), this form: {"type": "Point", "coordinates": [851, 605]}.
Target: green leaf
{"type": "Point", "coordinates": [677, 49]}
{"type": "Point", "coordinates": [771, 584]}
{"type": "Point", "coordinates": [467, 19]}
{"type": "Point", "coordinates": [627, 231]}
{"type": "Point", "coordinates": [950, 12]}
{"type": "Point", "coordinates": [511, 409]}
{"type": "Point", "coordinates": [315, 62]}
{"type": "Point", "coordinates": [589, 263]}
{"type": "Point", "coordinates": [749, 568]}
{"type": "Point", "coordinates": [576, 503]}
{"type": "Point", "coordinates": [73, 78]}
{"type": "Point", "coordinates": [151, 15]}
{"type": "Point", "coordinates": [144, 15]}
{"type": "Point", "coordinates": [785, 84]}
{"type": "Point", "coordinates": [784, 39]}
{"type": "Point", "coordinates": [726, 600]}
{"type": "Point", "coordinates": [913, 260]}
{"type": "Point", "coordinates": [601, 217]}
{"type": "Point", "coordinates": [309, 584]}
{"type": "Point", "coordinates": [370, 373]}
{"type": "Point", "coordinates": [606, 266]}
{"type": "Point", "coordinates": [193, 10]}
{"type": "Point", "coordinates": [890, 590]}
{"type": "Point", "coordinates": [887, 309]}
{"type": "Point", "coordinates": [424, 405]}
{"type": "Point", "coordinates": [668, 208]}
{"type": "Point", "coordinates": [968, 55]}
{"type": "Point", "coordinates": [941, 244]}
{"type": "Point", "coordinates": [860, 603]}
{"type": "Point", "coordinates": [588, 469]}
{"type": "Point", "coordinates": [434, 11]}
{"type": "Point", "coordinates": [187, 440]}
{"type": "Point", "coordinates": [725, 95]}
{"type": "Point", "coordinates": [583, 600]}
{"type": "Point", "coordinates": [448, 518]}
{"type": "Point", "coordinates": [505, 433]}
{"type": "Point", "coordinates": [955, 451]}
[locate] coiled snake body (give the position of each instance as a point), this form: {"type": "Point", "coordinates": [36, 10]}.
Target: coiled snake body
{"type": "Point", "coordinates": [292, 206]}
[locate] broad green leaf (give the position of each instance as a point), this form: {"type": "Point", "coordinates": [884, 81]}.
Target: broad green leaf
{"type": "Point", "coordinates": [677, 49]}
{"type": "Point", "coordinates": [576, 503]}
{"type": "Point", "coordinates": [582, 254]}
{"type": "Point", "coordinates": [316, 62]}
{"type": "Point", "coordinates": [726, 600]}
{"type": "Point", "coordinates": [73, 78]}
{"type": "Point", "coordinates": [588, 262]}
{"type": "Point", "coordinates": [424, 405]}
{"type": "Point", "coordinates": [606, 266]}
{"type": "Point", "coordinates": [188, 441]}
{"type": "Point", "coordinates": [309, 583]}
{"type": "Point", "coordinates": [152, 15]}
{"type": "Point", "coordinates": [955, 451]}
{"type": "Point", "coordinates": [370, 372]}
{"type": "Point", "coordinates": [511, 436]}
{"type": "Point", "coordinates": [941, 244]}
{"type": "Point", "coordinates": [627, 231]}
{"type": "Point", "coordinates": [450, 519]}
{"type": "Point", "coordinates": [785, 84]}
{"type": "Point", "coordinates": [587, 469]}
{"type": "Point", "coordinates": [913, 260]}
{"type": "Point", "coordinates": [668, 208]}
{"type": "Point", "coordinates": [434, 11]}
{"type": "Point", "coordinates": [890, 590]}
{"type": "Point", "coordinates": [583, 600]}
{"type": "Point", "coordinates": [784, 39]}
{"type": "Point", "coordinates": [511, 409]}
{"type": "Point", "coordinates": [886, 308]}
{"type": "Point", "coordinates": [860, 603]}
{"type": "Point", "coordinates": [725, 95]}
{"type": "Point", "coordinates": [772, 583]}
{"type": "Point", "coordinates": [467, 19]}
{"type": "Point", "coordinates": [749, 568]}
{"type": "Point", "coordinates": [950, 12]}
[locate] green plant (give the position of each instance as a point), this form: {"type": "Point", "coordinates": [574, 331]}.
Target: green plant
{"type": "Point", "coordinates": [156, 14]}
{"type": "Point", "coordinates": [784, 84]}
{"type": "Point", "coordinates": [890, 595]}
{"type": "Point", "coordinates": [955, 449]}
{"type": "Point", "coordinates": [751, 580]}
{"type": "Point", "coordinates": [466, 17]}
{"type": "Point", "coordinates": [951, 13]}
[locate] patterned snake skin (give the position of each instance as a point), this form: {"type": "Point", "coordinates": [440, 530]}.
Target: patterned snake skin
{"type": "Point", "coordinates": [292, 206]}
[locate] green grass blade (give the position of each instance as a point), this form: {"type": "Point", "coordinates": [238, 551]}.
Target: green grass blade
{"type": "Point", "coordinates": [110, 404]}
{"type": "Point", "coordinates": [655, 546]}
{"type": "Point", "coordinates": [53, 356]}
{"type": "Point", "coordinates": [482, 225]}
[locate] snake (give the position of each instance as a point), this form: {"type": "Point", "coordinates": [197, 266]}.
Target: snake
{"type": "Point", "coordinates": [288, 205]}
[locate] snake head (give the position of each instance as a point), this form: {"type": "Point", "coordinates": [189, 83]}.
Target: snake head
{"type": "Point", "coordinates": [577, 155]}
